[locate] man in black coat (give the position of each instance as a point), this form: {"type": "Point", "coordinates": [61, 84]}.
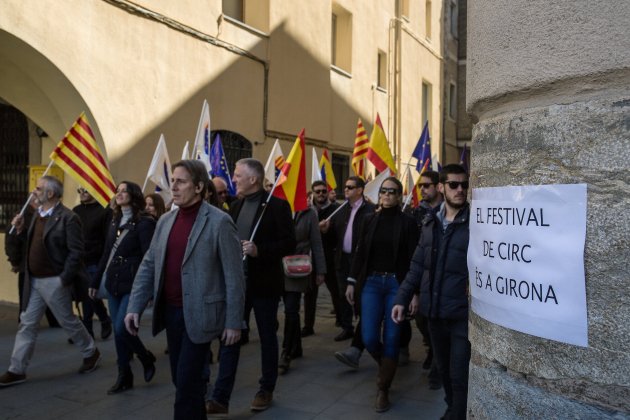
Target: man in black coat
{"type": "Point", "coordinates": [273, 239]}
{"type": "Point", "coordinates": [439, 270]}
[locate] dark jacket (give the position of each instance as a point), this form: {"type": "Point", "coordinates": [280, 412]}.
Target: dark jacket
{"type": "Point", "coordinates": [339, 223]}
{"type": "Point", "coordinates": [404, 234]}
{"type": "Point", "coordinates": [120, 272]}
{"type": "Point", "coordinates": [274, 239]}
{"type": "Point", "coordinates": [63, 239]}
{"type": "Point", "coordinates": [14, 244]}
{"type": "Point", "coordinates": [439, 269]}
{"type": "Point", "coordinates": [95, 220]}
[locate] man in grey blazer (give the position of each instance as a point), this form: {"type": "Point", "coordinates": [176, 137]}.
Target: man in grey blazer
{"type": "Point", "coordinates": [193, 271]}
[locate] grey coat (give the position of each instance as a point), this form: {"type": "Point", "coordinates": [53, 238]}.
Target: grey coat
{"type": "Point", "coordinates": [309, 241]}
{"type": "Point", "coordinates": [213, 285]}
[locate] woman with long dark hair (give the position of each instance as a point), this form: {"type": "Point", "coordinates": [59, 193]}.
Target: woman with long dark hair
{"type": "Point", "coordinates": [384, 249]}
{"type": "Point", "coordinates": [154, 206]}
{"type": "Point", "coordinates": [128, 238]}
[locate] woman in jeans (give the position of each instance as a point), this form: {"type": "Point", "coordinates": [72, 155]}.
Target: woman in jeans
{"type": "Point", "coordinates": [309, 241]}
{"type": "Point", "coordinates": [128, 238]}
{"type": "Point", "coordinates": [386, 244]}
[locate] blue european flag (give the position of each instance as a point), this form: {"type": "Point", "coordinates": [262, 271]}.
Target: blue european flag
{"type": "Point", "coordinates": [220, 165]}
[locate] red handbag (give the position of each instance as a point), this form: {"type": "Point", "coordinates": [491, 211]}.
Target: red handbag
{"type": "Point", "coordinates": [297, 266]}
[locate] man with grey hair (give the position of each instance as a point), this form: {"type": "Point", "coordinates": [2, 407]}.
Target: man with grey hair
{"type": "Point", "coordinates": [54, 248]}
{"type": "Point", "coordinates": [263, 251]}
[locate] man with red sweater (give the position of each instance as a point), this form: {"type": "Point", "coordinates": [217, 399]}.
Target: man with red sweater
{"type": "Point", "coordinates": [194, 273]}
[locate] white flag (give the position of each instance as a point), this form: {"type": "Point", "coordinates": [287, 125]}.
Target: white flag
{"type": "Point", "coordinates": [201, 149]}
{"type": "Point", "coordinates": [186, 151]}
{"type": "Point", "coordinates": [274, 162]}
{"type": "Point", "coordinates": [160, 171]}
{"type": "Point", "coordinates": [316, 174]}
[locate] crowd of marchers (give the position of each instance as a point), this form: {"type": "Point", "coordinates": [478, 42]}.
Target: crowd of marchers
{"type": "Point", "coordinates": [206, 261]}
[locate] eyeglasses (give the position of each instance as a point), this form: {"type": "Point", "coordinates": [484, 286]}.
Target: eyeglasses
{"type": "Point", "coordinates": [425, 184]}
{"type": "Point", "coordinates": [320, 191]}
{"type": "Point", "coordinates": [453, 185]}
{"type": "Point", "coordinates": [389, 191]}
{"type": "Point", "coordinates": [350, 187]}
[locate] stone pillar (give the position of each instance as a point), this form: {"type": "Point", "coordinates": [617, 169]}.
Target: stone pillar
{"type": "Point", "coordinates": [549, 89]}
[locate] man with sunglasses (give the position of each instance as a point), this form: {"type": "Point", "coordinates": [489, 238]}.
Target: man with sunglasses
{"type": "Point", "coordinates": [439, 270]}
{"type": "Point", "coordinates": [431, 197]}
{"type": "Point", "coordinates": [345, 227]}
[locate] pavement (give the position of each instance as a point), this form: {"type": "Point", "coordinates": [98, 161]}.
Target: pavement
{"type": "Point", "coordinates": [316, 387]}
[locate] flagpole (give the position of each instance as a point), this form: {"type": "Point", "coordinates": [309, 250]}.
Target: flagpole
{"type": "Point", "coordinates": [251, 239]}
{"type": "Point", "coordinates": [338, 208]}
{"type": "Point", "coordinates": [30, 196]}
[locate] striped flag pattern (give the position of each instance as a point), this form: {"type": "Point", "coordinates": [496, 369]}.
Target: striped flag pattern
{"type": "Point", "coordinates": [80, 157]}
{"type": "Point", "coordinates": [360, 150]}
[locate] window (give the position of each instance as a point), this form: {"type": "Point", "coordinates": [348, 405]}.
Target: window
{"type": "Point", "coordinates": [14, 139]}
{"type": "Point", "coordinates": [341, 39]}
{"type": "Point", "coordinates": [453, 19]}
{"type": "Point", "coordinates": [452, 101]}
{"type": "Point", "coordinates": [405, 9]}
{"type": "Point", "coordinates": [340, 165]}
{"type": "Point", "coordinates": [426, 102]}
{"type": "Point", "coordinates": [254, 13]}
{"type": "Point", "coordinates": [381, 71]}
{"type": "Point", "coordinates": [427, 18]}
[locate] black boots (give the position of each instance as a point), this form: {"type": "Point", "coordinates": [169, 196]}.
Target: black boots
{"type": "Point", "coordinates": [148, 363]}
{"type": "Point", "coordinates": [386, 372]}
{"type": "Point", "coordinates": [123, 382]}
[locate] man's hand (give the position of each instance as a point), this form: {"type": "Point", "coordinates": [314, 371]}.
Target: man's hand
{"type": "Point", "coordinates": [320, 279]}
{"type": "Point", "coordinates": [350, 294]}
{"type": "Point", "coordinates": [413, 306]}
{"type": "Point", "coordinates": [132, 323]}
{"type": "Point", "coordinates": [249, 248]}
{"type": "Point", "coordinates": [324, 225]}
{"type": "Point", "coordinates": [230, 336]}
{"type": "Point", "coordinates": [398, 314]}
{"type": "Point", "coordinates": [92, 293]}
{"type": "Point", "coordinates": [18, 223]}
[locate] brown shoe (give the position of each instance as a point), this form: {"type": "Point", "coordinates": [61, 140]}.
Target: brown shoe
{"type": "Point", "coordinates": [10, 378]}
{"type": "Point", "coordinates": [90, 363]}
{"type": "Point", "coordinates": [262, 400]}
{"type": "Point", "coordinates": [215, 410]}
{"type": "Point", "coordinates": [382, 401]}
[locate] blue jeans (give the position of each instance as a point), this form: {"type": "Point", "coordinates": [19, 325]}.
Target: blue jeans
{"type": "Point", "coordinates": [451, 348]}
{"type": "Point", "coordinates": [187, 367]}
{"type": "Point", "coordinates": [377, 300]}
{"type": "Point", "coordinates": [126, 344]}
{"type": "Point", "coordinates": [266, 314]}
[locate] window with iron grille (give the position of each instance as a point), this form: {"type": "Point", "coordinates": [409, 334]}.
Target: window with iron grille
{"type": "Point", "coordinates": [13, 163]}
{"type": "Point", "coordinates": [340, 166]}
{"type": "Point", "coordinates": [235, 146]}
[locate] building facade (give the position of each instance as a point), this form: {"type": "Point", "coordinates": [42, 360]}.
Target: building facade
{"type": "Point", "coordinates": [267, 68]}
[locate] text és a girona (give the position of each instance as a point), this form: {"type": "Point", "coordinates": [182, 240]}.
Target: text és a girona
{"type": "Point", "coordinates": [517, 288]}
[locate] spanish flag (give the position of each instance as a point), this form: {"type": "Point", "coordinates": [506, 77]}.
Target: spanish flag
{"type": "Point", "coordinates": [79, 155]}
{"type": "Point", "coordinates": [378, 150]}
{"type": "Point", "coordinates": [360, 150]}
{"type": "Point", "coordinates": [292, 183]}
{"type": "Point", "coordinates": [326, 170]}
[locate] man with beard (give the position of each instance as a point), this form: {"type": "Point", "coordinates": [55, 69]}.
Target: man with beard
{"type": "Point", "coordinates": [439, 270]}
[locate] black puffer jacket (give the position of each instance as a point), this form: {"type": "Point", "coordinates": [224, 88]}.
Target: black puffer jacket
{"type": "Point", "coordinates": [439, 269]}
{"type": "Point", "coordinates": [127, 257]}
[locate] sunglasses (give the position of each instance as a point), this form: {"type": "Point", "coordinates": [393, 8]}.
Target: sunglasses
{"type": "Point", "coordinates": [320, 191]}
{"type": "Point", "coordinates": [350, 187]}
{"type": "Point", "coordinates": [389, 191]}
{"type": "Point", "coordinates": [425, 184]}
{"type": "Point", "coordinates": [453, 185]}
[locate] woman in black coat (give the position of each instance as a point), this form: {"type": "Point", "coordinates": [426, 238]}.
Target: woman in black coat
{"type": "Point", "coordinates": [384, 249]}
{"type": "Point", "coordinates": [128, 238]}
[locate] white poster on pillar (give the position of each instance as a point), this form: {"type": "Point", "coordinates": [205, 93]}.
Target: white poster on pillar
{"type": "Point", "coordinates": [526, 259]}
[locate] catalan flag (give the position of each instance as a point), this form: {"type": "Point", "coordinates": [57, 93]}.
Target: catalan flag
{"type": "Point", "coordinates": [326, 170]}
{"type": "Point", "coordinates": [360, 150]}
{"type": "Point", "coordinates": [292, 183]}
{"type": "Point", "coordinates": [79, 155]}
{"type": "Point", "coordinates": [378, 149]}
